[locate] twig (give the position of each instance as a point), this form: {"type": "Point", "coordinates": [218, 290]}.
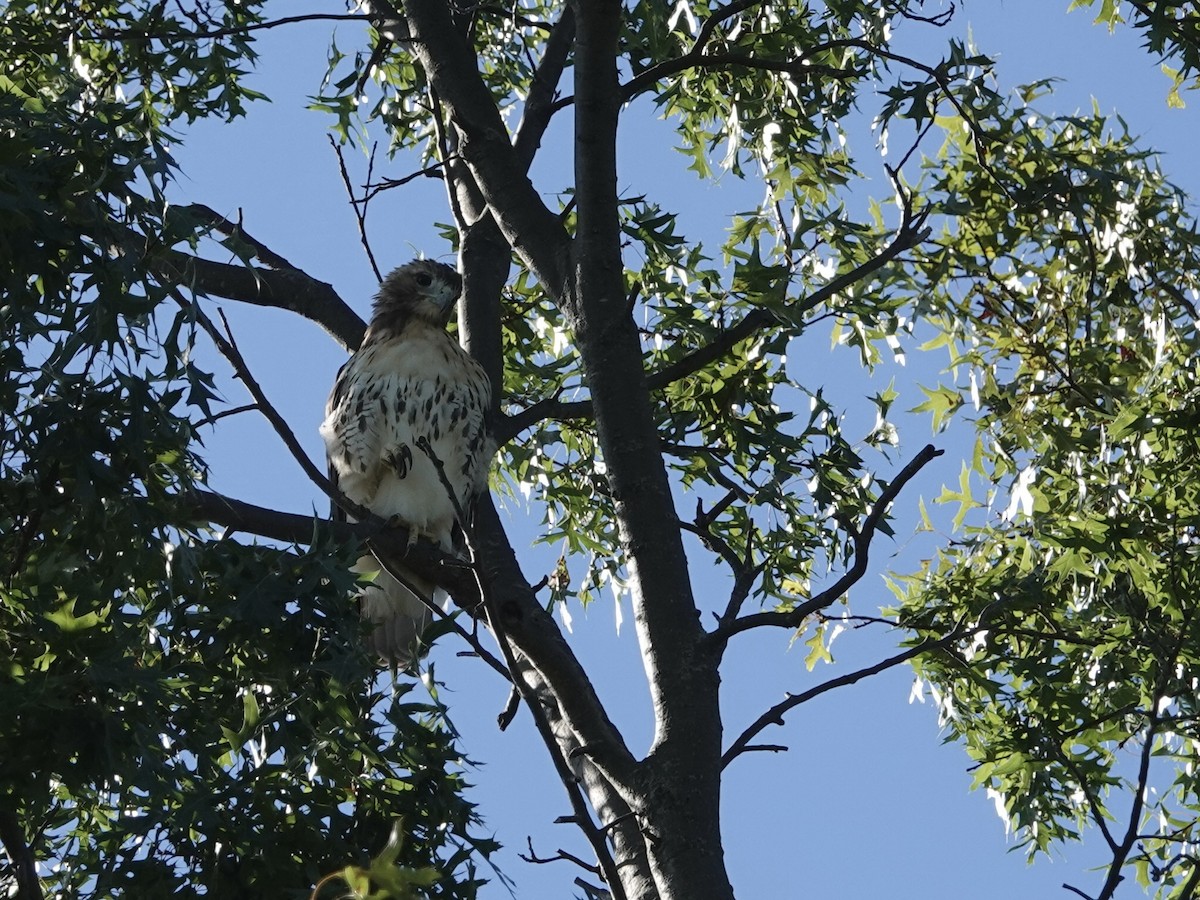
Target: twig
{"type": "Point", "coordinates": [714, 542]}
{"type": "Point", "coordinates": [570, 781]}
{"type": "Point", "coordinates": [228, 348]}
{"type": "Point", "coordinates": [911, 232]}
{"type": "Point", "coordinates": [774, 715]}
{"type": "Point", "coordinates": [582, 816]}
{"type": "Point", "coordinates": [359, 207]}
{"type": "Point", "coordinates": [133, 34]}
{"type": "Point", "coordinates": [593, 892]}
{"type": "Point", "coordinates": [560, 855]}
{"type": "Point", "coordinates": [595, 836]}
{"type": "Point", "coordinates": [398, 573]}
{"type": "Point", "coordinates": [370, 191]}
{"type": "Point", "coordinates": [237, 231]}
{"type": "Point", "coordinates": [452, 161]}
{"type": "Point", "coordinates": [619, 820]}
{"type": "Point", "coordinates": [425, 447]}
{"type": "Point", "coordinates": [216, 417]}
{"type": "Point", "coordinates": [768, 748]}
{"type": "Point", "coordinates": [510, 710]}
{"type": "Point", "coordinates": [939, 20]}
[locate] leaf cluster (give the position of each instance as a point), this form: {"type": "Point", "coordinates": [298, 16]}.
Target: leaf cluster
{"type": "Point", "coordinates": [183, 712]}
{"type": "Point", "coordinates": [1072, 333]}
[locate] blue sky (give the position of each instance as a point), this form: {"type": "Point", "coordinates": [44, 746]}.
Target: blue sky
{"type": "Point", "coordinates": [869, 802]}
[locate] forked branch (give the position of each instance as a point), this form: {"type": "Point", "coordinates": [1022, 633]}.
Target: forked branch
{"type": "Point", "coordinates": [774, 715]}
{"type": "Point", "coordinates": [860, 537]}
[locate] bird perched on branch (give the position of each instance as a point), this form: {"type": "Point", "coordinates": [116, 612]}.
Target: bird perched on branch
{"type": "Point", "coordinates": [408, 400]}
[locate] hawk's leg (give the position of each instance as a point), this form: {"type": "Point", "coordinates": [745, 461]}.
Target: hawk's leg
{"type": "Point", "coordinates": [399, 460]}
{"type": "Point", "coordinates": [414, 533]}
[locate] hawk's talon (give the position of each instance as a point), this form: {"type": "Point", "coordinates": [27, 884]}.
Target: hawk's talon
{"type": "Point", "coordinates": [399, 460]}
{"type": "Point", "coordinates": [414, 533]}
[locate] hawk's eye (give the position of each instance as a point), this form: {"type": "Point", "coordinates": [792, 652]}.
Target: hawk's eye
{"type": "Point", "coordinates": [424, 279]}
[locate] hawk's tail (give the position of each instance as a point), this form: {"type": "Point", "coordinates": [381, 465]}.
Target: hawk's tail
{"type": "Point", "coordinates": [398, 616]}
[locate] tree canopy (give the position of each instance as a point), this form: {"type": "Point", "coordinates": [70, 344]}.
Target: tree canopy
{"type": "Point", "coordinates": [190, 707]}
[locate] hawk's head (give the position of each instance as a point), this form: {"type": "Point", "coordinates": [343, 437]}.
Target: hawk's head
{"type": "Point", "coordinates": [422, 289]}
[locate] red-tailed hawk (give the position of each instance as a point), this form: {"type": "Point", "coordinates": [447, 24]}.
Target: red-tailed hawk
{"type": "Point", "coordinates": [409, 380]}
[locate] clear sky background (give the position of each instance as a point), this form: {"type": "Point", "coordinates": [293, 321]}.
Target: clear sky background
{"type": "Point", "coordinates": [869, 802]}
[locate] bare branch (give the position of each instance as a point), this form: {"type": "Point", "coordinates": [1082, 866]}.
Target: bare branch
{"type": "Point", "coordinates": [560, 855]}
{"type": "Point", "coordinates": [593, 892]}
{"type": "Point", "coordinates": [715, 543]}
{"type": "Point", "coordinates": [511, 706]}
{"type": "Point", "coordinates": [386, 184]}
{"type": "Point", "coordinates": [385, 558]}
{"type": "Point", "coordinates": [861, 539]}
{"type": "Point", "coordinates": [450, 64]}
{"type": "Point", "coordinates": [774, 715]}
{"type": "Point", "coordinates": [582, 816]}
{"type": "Point", "coordinates": [765, 748]}
{"type": "Point", "coordinates": [110, 34]}
{"type": "Point", "coordinates": [358, 206]}
{"type": "Point", "coordinates": [228, 349]}
{"type": "Point", "coordinates": [237, 232]}
{"type": "Point", "coordinates": [939, 20]}
{"type": "Point", "coordinates": [523, 620]}
{"type": "Point", "coordinates": [224, 414]}
{"type": "Point", "coordinates": [282, 285]}
{"type": "Point", "coordinates": [287, 289]}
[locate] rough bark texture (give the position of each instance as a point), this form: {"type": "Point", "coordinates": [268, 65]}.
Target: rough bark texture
{"type": "Point", "coordinates": [677, 791]}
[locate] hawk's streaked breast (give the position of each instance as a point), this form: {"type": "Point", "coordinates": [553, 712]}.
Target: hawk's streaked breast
{"type": "Point", "coordinates": [409, 380]}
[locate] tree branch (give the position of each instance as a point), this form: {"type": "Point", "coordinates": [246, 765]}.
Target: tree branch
{"type": "Point", "coordinates": [452, 69]}
{"type": "Point", "coordinates": [237, 234]}
{"type": "Point", "coordinates": [911, 232]}
{"type": "Point", "coordinates": [693, 54]}
{"type": "Point", "coordinates": [559, 855]}
{"type": "Point", "coordinates": [774, 715]}
{"type": "Point", "coordinates": [861, 539]}
{"type": "Point", "coordinates": [133, 34]}
{"type": "Point", "coordinates": [12, 839]}
{"type": "Point", "coordinates": [539, 105]}
{"type": "Point", "coordinates": [287, 289]}
{"type": "Point", "coordinates": [535, 634]}
{"type": "Point", "coordinates": [386, 541]}
{"type": "Point", "coordinates": [582, 816]}
{"type": "Point", "coordinates": [1121, 852]}
{"type": "Point", "coordinates": [357, 206]}
{"type": "Point", "coordinates": [228, 348]}
{"type": "Point", "coordinates": [281, 285]}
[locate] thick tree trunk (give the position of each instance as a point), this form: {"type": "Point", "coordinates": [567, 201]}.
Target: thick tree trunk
{"type": "Point", "coordinates": [668, 846]}
{"type": "Point", "coordinates": [676, 791]}
{"type": "Point", "coordinates": [679, 785]}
